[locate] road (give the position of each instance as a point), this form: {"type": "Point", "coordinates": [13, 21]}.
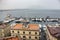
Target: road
{"type": "Point", "coordinates": [43, 35]}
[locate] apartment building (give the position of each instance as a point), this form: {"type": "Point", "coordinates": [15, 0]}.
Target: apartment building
{"type": "Point", "coordinates": [26, 31]}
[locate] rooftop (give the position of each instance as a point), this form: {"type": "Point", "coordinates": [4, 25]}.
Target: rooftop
{"type": "Point", "coordinates": [2, 26]}
{"type": "Point", "coordinates": [54, 31]}
{"type": "Point", "coordinates": [29, 26]}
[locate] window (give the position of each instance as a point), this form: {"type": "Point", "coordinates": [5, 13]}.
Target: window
{"type": "Point", "coordinates": [12, 31]}
{"type": "Point", "coordinates": [29, 32]}
{"type": "Point", "coordinates": [29, 37]}
{"type": "Point", "coordinates": [23, 32]}
{"type": "Point", "coordinates": [39, 38]}
{"type": "Point", "coordinates": [35, 37]}
{"type": "Point", "coordinates": [18, 32]}
{"type": "Point", "coordinates": [35, 32]}
{"type": "Point", "coordinates": [24, 36]}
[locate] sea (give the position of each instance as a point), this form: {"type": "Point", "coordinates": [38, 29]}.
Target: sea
{"type": "Point", "coordinates": [30, 13]}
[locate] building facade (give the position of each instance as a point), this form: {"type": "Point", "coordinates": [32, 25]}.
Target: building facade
{"type": "Point", "coordinates": [4, 30]}
{"type": "Point", "coordinates": [26, 32]}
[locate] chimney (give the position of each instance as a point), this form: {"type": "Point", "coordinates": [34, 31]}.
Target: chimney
{"type": "Point", "coordinates": [25, 25]}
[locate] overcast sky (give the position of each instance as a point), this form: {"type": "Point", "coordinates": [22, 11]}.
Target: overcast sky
{"type": "Point", "coordinates": [29, 4]}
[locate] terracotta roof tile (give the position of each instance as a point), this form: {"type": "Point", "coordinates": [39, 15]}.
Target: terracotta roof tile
{"type": "Point", "coordinates": [18, 26]}
{"type": "Point", "coordinates": [30, 27]}
{"type": "Point", "coordinates": [34, 26]}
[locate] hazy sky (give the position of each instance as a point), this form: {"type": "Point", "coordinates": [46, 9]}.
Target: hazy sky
{"type": "Point", "coordinates": [29, 4]}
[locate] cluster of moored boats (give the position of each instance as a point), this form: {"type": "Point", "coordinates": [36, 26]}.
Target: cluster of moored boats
{"type": "Point", "coordinates": [45, 20]}
{"type": "Point", "coordinates": [23, 19]}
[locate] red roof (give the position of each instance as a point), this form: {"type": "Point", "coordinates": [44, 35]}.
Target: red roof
{"type": "Point", "coordinates": [30, 27]}
{"type": "Point", "coordinates": [18, 26]}
{"type": "Point", "coordinates": [33, 26]}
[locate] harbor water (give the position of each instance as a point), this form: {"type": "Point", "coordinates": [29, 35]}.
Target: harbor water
{"type": "Point", "coordinates": [30, 13]}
